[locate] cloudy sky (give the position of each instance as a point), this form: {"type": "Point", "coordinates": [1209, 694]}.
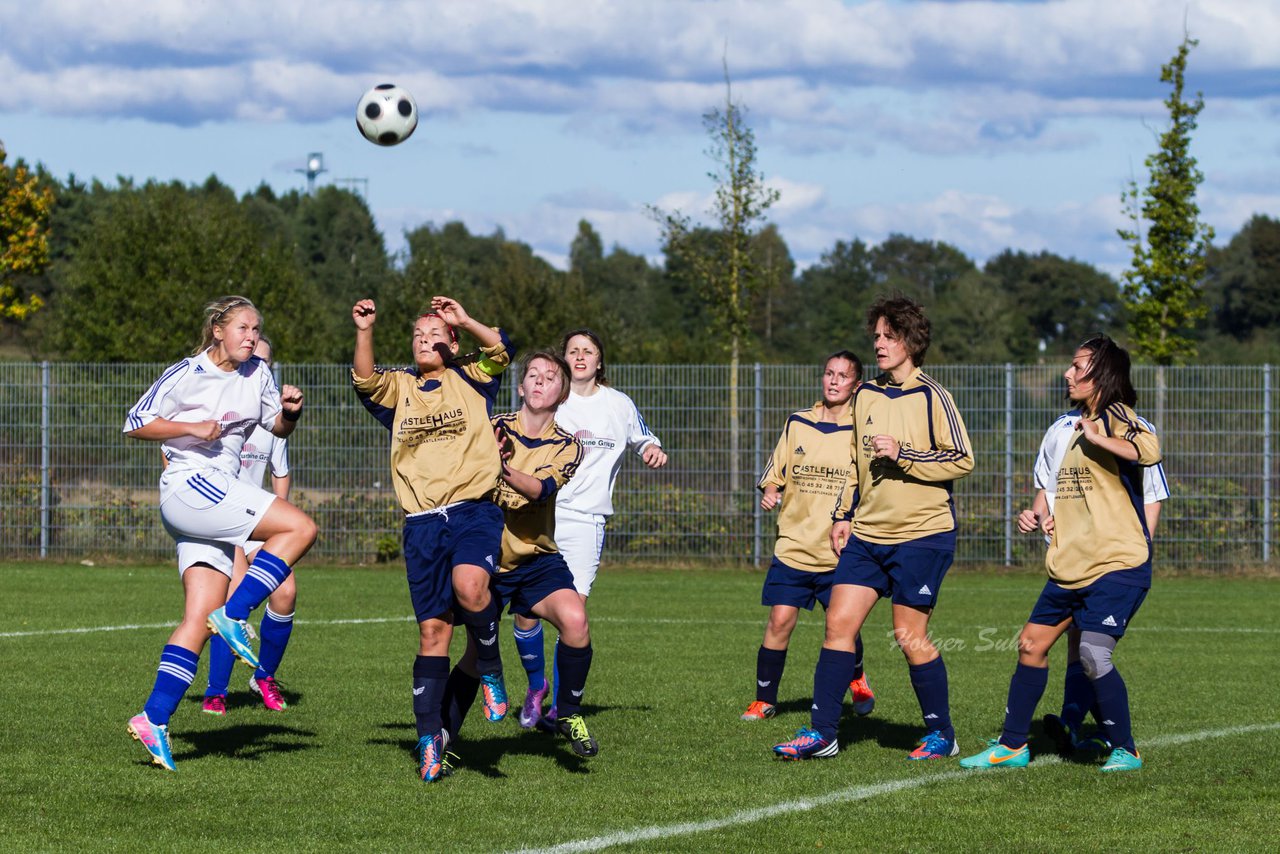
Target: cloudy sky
{"type": "Point", "coordinates": [985, 124]}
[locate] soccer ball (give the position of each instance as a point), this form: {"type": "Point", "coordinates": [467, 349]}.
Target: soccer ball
{"type": "Point", "coordinates": [386, 114]}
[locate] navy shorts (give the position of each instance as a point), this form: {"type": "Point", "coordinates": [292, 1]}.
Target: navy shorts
{"type": "Point", "coordinates": [784, 585]}
{"type": "Point", "coordinates": [531, 582]}
{"type": "Point", "coordinates": [1105, 606]}
{"type": "Point", "coordinates": [911, 575]}
{"type": "Point", "coordinates": [434, 543]}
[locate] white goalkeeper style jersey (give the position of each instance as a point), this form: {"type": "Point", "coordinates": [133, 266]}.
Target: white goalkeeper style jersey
{"type": "Point", "coordinates": [197, 390]}
{"type": "Point", "coordinates": [1053, 446]}
{"type": "Point", "coordinates": [263, 448]}
{"type": "Point", "coordinates": [606, 424]}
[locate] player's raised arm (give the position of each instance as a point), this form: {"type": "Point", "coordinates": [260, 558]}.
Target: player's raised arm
{"type": "Point", "coordinates": [364, 314]}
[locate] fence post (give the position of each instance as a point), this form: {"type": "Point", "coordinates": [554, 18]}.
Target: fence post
{"type": "Point", "coordinates": [1008, 463]}
{"type": "Point", "coordinates": [755, 457]}
{"type": "Point", "coordinates": [1266, 463]}
{"type": "Point", "coordinates": [44, 460]}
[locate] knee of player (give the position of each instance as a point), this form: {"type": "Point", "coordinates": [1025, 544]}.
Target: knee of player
{"type": "Point", "coordinates": [1095, 654]}
{"type": "Point", "coordinates": [307, 529]}
{"type": "Point", "coordinates": [575, 631]}
{"type": "Point", "coordinates": [434, 632]}
{"type": "Point", "coordinates": [1032, 650]}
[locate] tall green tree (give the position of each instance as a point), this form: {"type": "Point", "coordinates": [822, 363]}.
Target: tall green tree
{"type": "Point", "coordinates": [725, 271]}
{"type": "Point", "coordinates": [1162, 286]}
{"type": "Point", "coordinates": [25, 206]}
{"type": "Point", "coordinates": [153, 256]}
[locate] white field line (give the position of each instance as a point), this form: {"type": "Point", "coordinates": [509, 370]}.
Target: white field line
{"type": "Point", "coordinates": [855, 793]}
{"type": "Point", "coordinates": [669, 621]}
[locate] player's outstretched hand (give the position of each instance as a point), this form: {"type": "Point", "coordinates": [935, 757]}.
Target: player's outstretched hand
{"type": "Point", "coordinates": [450, 310]}
{"type": "Point", "coordinates": [364, 313]}
{"type": "Point", "coordinates": [654, 457]}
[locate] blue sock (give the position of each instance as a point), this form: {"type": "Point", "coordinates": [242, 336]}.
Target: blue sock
{"type": "Point", "coordinates": [555, 673]}
{"type": "Point", "coordinates": [176, 673]}
{"type": "Point", "coordinates": [1113, 703]}
{"type": "Point", "coordinates": [459, 694]}
{"type": "Point", "coordinates": [274, 631]}
{"type": "Point", "coordinates": [220, 663]}
{"type": "Point", "coordinates": [930, 684]}
{"type": "Point", "coordinates": [1077, 695]}
{"type": "Point", "coordinates": [482, 628]}
{"type": "Point", "coordinates": [831, 680]}
{"type": "Point", "coordinates": [1025, 690]}
{"type": "Point", "coordinates": [430, 672]}
{"type": "Point", "coordinates": [264, 576]}
{"type": "Point", "coordinates": [574, 665]}
{"type": "Point", "coordinates": [769, 667]}
{"type": "Point", "coordinates": [857, 651]}
{"type": "Point", "coordinates": [532, 656]}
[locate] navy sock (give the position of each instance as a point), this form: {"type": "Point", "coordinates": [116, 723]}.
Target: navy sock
{"type": "Point", "coordinates": [482, 628]}
{"type": "Point", "coordinates": [575, 663]}
{"type": "Point", "coordinates": [430, 672]}
{"type": "Point", "coordinates": [1077, 695]}
{"type": "Point", "coordinates": [264, 576]}
{"type": "Point", "coordinates": [831, 680]}
{"type": "Point", "coordinates": [175, 674]}
{"type": "Point", "coordinates": [530, 647]}
{"type": "Point", "coordinates": [274, 631]}
{"type": "Point", "coordinates": [1113, 704]}
{"type": "Point", "coordinates": [930, 684]}
{"type": "Point", "coordinates": [555, 672]}
{"type": "Point", "coordinates": [769, 666]}
{"type": "Point", "coordinates": [220, 663]}
{"type": "Point", "coordinates": [459, 695]}
{"type": "Point", "coordinates": [857, 651]}
{"type": "Point", "coordinates": [1026, 687]}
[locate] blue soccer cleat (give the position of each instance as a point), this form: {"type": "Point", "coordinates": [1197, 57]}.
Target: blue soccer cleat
{"type": "Point", "coordinates": [237, 633]}
{"type": "Point", "coordinates": [807, 744]}
{"type": "Point", "coordinates": [431, 758]}
{"type": "Point", "coordinates": [998, 756]}
{"type": "Point", "coordinates": [1122, 760]}
{"type": "Point", "coordinates": [154, 738]}
{"type": "Point", "coordinates": [495, 696]}
{"type": "Point", "coordinates": [934, 745]}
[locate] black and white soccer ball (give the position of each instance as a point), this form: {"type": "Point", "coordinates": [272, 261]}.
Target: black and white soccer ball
{"type": "Point", "coordinates": [386, 114]}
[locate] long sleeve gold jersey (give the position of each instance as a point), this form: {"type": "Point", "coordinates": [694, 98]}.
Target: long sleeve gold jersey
{"type": "Point", "coordinates": [529, 527]}
{"type": "Point", "coordinates": [1098, 522]}
{"type": "Point", "coordinates": [809, 466]}
{"type": "Point", "coordinates": [910, 498]}
{"type": "Point", "coordinates": [442, 446]}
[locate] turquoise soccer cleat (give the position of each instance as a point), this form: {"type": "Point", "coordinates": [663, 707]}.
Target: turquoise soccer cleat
{"type": "Point", "coordinates": [430, 758]}
{"type": "Point", "coordinates": [237, 633]}
{"type": "Point", "coordinates": [998, 756]}
{"type": "Point", "coordinates": [1122, 760]}
{"type": "Point", "coordinates": [495, 696]}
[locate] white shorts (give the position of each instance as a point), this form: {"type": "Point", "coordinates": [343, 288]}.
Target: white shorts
{"type": "Point", "coordinates": [209, 513]}
{"type": "Point", "coordinates": [580, 538]}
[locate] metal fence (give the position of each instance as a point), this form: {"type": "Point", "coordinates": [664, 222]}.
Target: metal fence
{"type": "Point", "coordinates": [73, 487]}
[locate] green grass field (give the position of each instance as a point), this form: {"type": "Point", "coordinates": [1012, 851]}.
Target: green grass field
{"type": "Point", "coordinates": [677, 771]}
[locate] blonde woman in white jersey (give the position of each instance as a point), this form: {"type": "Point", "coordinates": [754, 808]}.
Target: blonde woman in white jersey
{"type": "Point", "coordinates": [607, 424]}
{"type": "Point", "coordinates": [201, 409]}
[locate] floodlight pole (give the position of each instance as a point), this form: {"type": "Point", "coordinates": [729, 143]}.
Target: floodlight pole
{"type": "Point", "coordinates": [315, 165]}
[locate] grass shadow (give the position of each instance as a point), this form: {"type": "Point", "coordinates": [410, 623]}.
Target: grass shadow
{"type": "Point", "coordinates": [243, 741]}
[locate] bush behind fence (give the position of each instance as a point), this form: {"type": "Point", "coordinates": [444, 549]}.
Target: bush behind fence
{"type": "Point", "coordinates": [72, 486]}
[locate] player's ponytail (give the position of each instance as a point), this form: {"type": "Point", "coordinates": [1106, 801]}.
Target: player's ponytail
{"type": "Point", "coordinates": [219, 313]}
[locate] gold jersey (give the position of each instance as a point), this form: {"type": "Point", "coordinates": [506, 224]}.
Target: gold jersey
{"type": "Point", "coordinates": [809, 466]}
{"type": "Point", "coordinates": [442, 446]}
{"type": "Point", "coordinates": [529, 527]}
{"type": "Point", "coordinates": [910, 498]}
{"type": "Point", "coordinates": [1098, 521]}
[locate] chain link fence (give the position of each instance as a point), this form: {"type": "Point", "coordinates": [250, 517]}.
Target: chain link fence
{"type": "Point", "coordinates": [73, 487]}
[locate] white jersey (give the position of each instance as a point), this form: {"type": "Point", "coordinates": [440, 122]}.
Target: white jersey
{"type": "Point", "coordinates": [1155, 487]}
{"type": "Point", "coordinates": [606, 423]}
{"type": "Point", "coordinates": [197, 390]}
{"type": "Point", "coordinates": [262, 448]}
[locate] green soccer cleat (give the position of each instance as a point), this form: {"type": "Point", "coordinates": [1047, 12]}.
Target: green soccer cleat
{"type": "Point", "coordinates": [574, 728]}
{"type": "Point", "coordinates": [1122, 760]}
{"type": "Point", "coordinates": [998, 756]}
